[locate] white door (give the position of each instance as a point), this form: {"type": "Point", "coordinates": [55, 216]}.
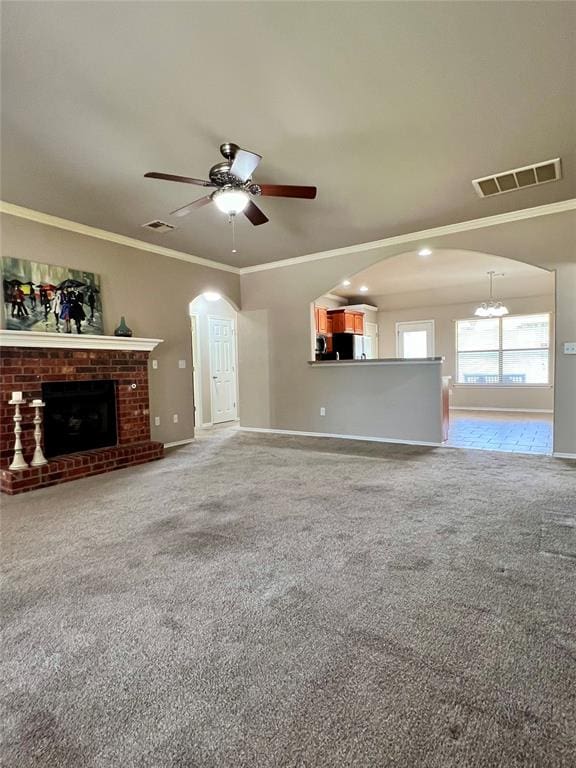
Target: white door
{"type": "Point", "coordinates": [222, 369]}
{"type": "Point", "coordinates": [415, 339]}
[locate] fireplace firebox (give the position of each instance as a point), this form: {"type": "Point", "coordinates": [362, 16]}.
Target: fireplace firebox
{"type": "Point", "coordinates": [79, 416]}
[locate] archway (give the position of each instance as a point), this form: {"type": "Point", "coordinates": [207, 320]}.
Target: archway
{"type": "Point", "coordinates": [423, 304]}
{"type": "Point", "coordinates": [214, 322]}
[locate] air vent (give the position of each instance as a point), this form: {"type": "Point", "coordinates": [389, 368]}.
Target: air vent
{"type": "Point", "coordinates": [159, 226]}
{"type": "Point", "coordinates": [517, 178]}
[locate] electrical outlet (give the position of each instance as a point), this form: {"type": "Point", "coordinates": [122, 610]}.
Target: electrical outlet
{"type": "Point", "coordinates": [175, 418]}
{"type": "Point", "coordinates": [154, 363]}
{"type": "Point", "coordinates": [570, 347]}
{"type": "Point", "coordinates": [181, 363]}
{"type": "Point", "coordinates": [157, 421]}
{"type": "Point", "coordinates": [322, 411]}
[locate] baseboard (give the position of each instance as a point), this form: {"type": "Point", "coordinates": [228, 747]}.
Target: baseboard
{"type": "Point", "coordinates": [564, 455]}
{"type": "Point", "coordinates": [366, 438]}
{"type": "Point", "coordinates": [179, 442]}
{"type": "Point", "coordinates": [504, 410]}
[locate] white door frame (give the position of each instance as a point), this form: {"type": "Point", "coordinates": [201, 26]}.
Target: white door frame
{"type": "Point", "coordinates": [197, 369]}
{"type": "Point", "coordinates": [235, 365]}
{"type": "Point", "coordinates": [416, 322]}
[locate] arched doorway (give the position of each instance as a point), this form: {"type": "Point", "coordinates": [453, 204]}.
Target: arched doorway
{"type": "Point", "coordinates": [213, 320]}
{"type": "Point", "coordinates": [500, 369]}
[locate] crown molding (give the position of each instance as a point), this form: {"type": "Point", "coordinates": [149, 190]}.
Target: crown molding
{"type": "Point", "coordinates": [411, 237]}
{"type": "Point", "coordinates": [422, 235]}
{"type": "Point", "coordinates": [112, 237]}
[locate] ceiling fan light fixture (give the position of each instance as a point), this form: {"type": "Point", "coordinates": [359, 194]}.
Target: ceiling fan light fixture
{"type": "Point", "coordinates": [231, 201]}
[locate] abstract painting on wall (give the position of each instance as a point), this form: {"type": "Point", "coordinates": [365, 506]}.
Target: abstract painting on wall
{"type": "Point", "coordinates": [46, 298]}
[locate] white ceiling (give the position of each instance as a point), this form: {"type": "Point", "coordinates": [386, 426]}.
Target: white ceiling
{"type": "Point", "coordinates": [389, 108]}
{"type": "Point", "coordinates": [446, 276]}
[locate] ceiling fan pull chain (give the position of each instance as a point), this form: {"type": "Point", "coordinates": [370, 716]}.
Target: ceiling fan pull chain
{"type": "Point", "coordinates": [231, 220]}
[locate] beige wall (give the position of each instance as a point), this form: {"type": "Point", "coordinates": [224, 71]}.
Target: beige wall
{"type": "Point", "coordinates": [204, 310]}
{"type": "Point", "coordinates": [277, 387]}
{"type": "Point", "coordinates": [395, 402]}
{"type": "Point", "coordinates": [466, 396]}
{"type": "Point", "coordinates": [277, 392]}
{"type": "Point", "coordinates": [153, 292]}
{"type": "Point", "coordinates": [565, 382]}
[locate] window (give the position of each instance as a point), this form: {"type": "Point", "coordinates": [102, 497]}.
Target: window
{"type": "Point", "coordinates": [507, 350]}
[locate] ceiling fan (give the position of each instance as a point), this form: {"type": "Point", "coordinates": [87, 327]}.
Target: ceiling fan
{"type": "Point", "coordinates": [234, 186]}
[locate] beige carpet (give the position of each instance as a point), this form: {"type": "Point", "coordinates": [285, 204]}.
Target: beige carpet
{"type": "Point", "coordinates": [258, 601]}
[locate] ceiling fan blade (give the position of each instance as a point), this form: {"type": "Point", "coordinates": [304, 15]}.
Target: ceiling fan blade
{"type": "Point", "coordinates": [286, 190]}
{"type": "Point", "coordinates": [244, 164]}
{"type": "Point", "coordinates": [186, 209]}
{"type": "Point", "coordinates": [183, 179]}
{"type": "Point", "coordinates": [254, 214]}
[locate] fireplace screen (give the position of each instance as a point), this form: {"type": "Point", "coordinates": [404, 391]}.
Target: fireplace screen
{"type": "Point", "coordinates": [79, 416]}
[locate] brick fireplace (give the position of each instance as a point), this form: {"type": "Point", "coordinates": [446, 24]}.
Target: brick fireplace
{"type": "Point", "coordinates": [29, 360]}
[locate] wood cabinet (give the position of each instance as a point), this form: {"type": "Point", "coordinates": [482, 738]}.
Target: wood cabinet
{"type": "Point", "coordinates": [344, 321]}
{"type": "Point", "coordinates": [359, 323]}
{"type": "Point", "coordinates": [321, 320]}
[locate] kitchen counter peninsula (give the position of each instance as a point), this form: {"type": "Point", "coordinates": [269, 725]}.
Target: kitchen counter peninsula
{"type": "Point", "coordinates": [391, 399]}
{"type": "Point", "coordinates": [380, 361]}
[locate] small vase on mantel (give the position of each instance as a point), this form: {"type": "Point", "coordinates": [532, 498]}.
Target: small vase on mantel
{"type": "Point", "coordinates": [123, 329]}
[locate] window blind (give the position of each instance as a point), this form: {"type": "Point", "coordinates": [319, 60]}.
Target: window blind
{"type": "Point", "coordinates": [509, 350]}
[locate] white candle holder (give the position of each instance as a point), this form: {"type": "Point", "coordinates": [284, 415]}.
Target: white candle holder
{"type": "Point", "coordinates": [18, 461]}
{"type": "Point", "coordinates": [38, 460]}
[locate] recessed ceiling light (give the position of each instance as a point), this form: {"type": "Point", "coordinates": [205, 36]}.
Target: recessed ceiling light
{"type": "Point", "coordinates": [211, 296]}
{"type": "Point", "coordinates": [425, 252]}
{"type": "Point", "coordinates": [346, 283]}
{"type": "Point", "coordinates": [363, 288]}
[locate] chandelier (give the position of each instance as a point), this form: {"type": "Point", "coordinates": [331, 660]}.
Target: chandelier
{"type": "Point", "coordinates": [492, 308]}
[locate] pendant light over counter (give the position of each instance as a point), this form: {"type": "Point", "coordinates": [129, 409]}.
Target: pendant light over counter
{"type": "Point", "coordinates": [492, 308]}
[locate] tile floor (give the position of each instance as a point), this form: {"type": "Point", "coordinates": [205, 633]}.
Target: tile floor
{"type": "Point", "coordinates": [500, 431]}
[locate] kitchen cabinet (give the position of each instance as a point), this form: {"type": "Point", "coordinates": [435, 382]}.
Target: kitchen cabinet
{"type": "Point", "coordinates": [321, 318]}
{"type": "Point", "coordinates": [359, 323]}
{"type": "Point", "coordinates": [329, 347]}
{"type": "Point", "coordinates": [344, 321]}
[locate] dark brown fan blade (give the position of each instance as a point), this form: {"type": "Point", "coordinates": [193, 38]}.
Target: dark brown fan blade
{"type": "Point", "coordinates": [254, 214]}
{"type": "Point", "coordinates": [244, 163]}
{"type": "Point", "coordinates": [183, 179]}
{"type": "Point", "coordinates": [285, 190]}
{"type": "Point", "coordinates": [186, 209]}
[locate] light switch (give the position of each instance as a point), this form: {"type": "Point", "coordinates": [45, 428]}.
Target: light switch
{"type": "Point", "coordinates": [570, 347]}
{"type": "Point", "coordinates": [154, 363]}
{"type": "Point", "coordinates": [157, 421]}
{"type": "Point", "coordinates": [181, 363]}
{"type": "Point", "coordinates": [175, 418]}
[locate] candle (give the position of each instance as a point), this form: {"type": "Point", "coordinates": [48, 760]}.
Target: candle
{"type": "Point", "coordinates": [17, 396]}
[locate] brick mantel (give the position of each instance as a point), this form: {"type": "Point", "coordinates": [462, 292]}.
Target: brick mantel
{"type": "Point", "coordinates": [26, 366]}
